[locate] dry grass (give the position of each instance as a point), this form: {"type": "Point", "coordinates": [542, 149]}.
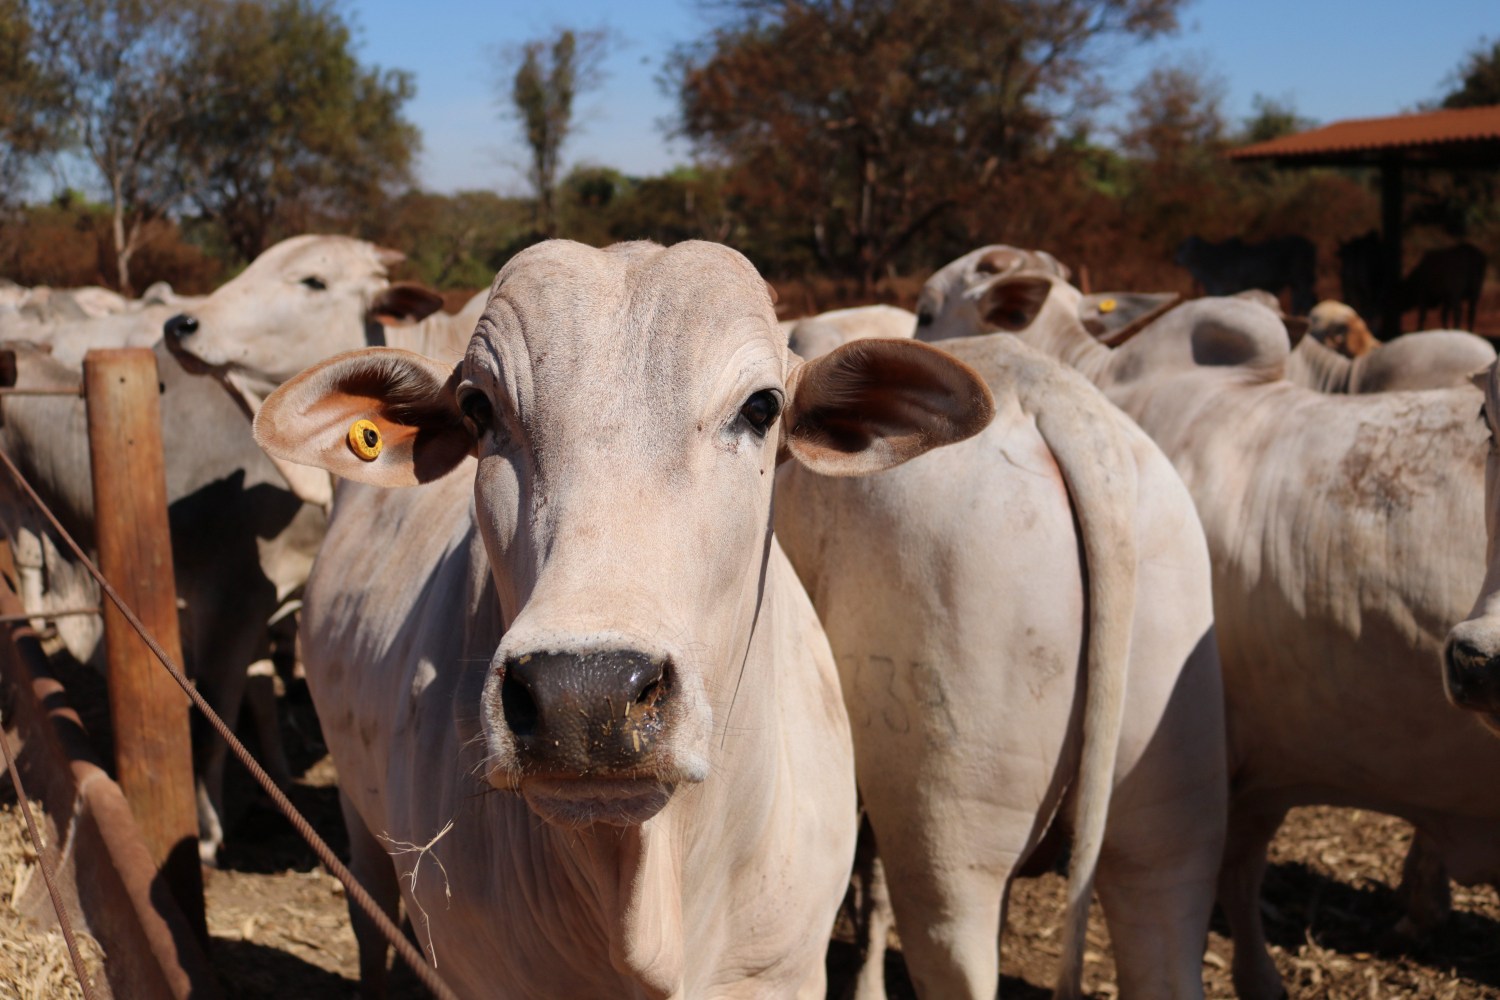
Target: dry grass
{"type": "Point", "coordinates": [34, 962]}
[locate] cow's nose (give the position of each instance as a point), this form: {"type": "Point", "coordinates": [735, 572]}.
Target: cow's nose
{"type": "Point", "coordinates": [585, 713]}
{"type": "Point", "coordinates": [180, 326]}
{"type": "Point", "coordinates": [1472, 675]}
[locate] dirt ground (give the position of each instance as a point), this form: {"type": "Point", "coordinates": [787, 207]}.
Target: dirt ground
{"type": "Point", "coordinates": [280, 929]}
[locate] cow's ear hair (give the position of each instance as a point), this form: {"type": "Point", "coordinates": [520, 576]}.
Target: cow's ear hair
{"type": "Point", "coordinates": [1013, 302]}
{"type": "Point", "coordinates": [378, 416]}
{"type": "Point", "coordinates": [873, 404]}
{"type": "Point", "coordinates": [404, 303]}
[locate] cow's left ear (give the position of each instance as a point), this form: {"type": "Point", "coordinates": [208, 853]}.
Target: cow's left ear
{"type": "Point", "coordinates": [1012, 302]}
{"type": "Point", "coordinates": [378, 416]}
{"type": "Point", "coordinates": [404, 303]}
{"type": "Point", "coordinates": [873, 404]}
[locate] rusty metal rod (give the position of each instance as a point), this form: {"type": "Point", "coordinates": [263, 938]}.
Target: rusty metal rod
{"type": "Point", "coordinates": [20, 391]}
{"type": "Point", "coordinates": [84, 983]}
{"type": "Point", "coordinates": [44, 615]}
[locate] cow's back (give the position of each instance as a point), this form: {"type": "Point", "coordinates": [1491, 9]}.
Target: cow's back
{"type": "Point", "coordinates": [1337, 571]}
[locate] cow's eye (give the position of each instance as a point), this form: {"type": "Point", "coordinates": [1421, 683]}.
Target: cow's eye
{"type": "Point", "coordinates": [924, 319]}
{"type": "Point", "coordinates": [761, 410]}
{"type": "Point", "coordinates": [316, 283]}
{"type": "Point", "coordinates": [476, 409]}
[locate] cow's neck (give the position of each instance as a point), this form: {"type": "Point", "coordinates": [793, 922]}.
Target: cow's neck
{"type": "Point", "coordinates": [635, 876]}
{"type": "Point", "coordinates": [441, 336]}
{"type": "Point", "coordinates": [1316, 366]}
{"type": "Point", "coordinates": [1065, 339]}
{"type": "Point", "coordinates": [308, 484]}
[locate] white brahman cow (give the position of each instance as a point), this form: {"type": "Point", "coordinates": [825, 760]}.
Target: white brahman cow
{"type": "Point", "coordinates": [573, 665]}
{"type": "Point", "coordinates": [1341, 530]}
{"type": "Point", "coordinates": [1024, 635]}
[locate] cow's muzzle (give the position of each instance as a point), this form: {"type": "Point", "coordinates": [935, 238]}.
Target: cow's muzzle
{"type": "Point", "coordinates": [1471, 676]}
{"type": "Point", "coordinates": [180, 326]}
{"type": "Point", "coordinates": [176, 333]}
{"type": "Point", "coordinates": [586, 715]}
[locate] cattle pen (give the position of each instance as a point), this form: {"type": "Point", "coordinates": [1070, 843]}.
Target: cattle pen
{"type": "Point", "coordinates": [125, 852]}
{"type": "Point", "coordinates": [1326, 913]}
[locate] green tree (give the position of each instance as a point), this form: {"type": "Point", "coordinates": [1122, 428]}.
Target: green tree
{"type": "Point", "coordinates": [1477, 80]}
{"type": "Point", "coordinates": [551, 75]}
{"type": "Point", "coordinates": [287, 131]}
{"type": "Point", "coordinates": [1272, 119]}
{"type": "Point", "coordinates": [122, 101]}
{"type": "Point", "coordinates": [850, 126]}
{"type": "Point", "coordinates": [30, 94]}
{"type": "Point", "coordinates": [454, 241]}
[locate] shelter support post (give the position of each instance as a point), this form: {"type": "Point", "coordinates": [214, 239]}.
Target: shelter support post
{"type": "Point", "coordinates": [1391, 197]}
{"type": "Point", "coordinates": [150, 713]}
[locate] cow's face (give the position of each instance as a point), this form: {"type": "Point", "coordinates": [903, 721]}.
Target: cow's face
{"type": "Point", "coordinates": [303, 300]}
{"type": "Point", "coordinates": [956, 299]}
{"type": "Point", "coordinates": [1471, 656]}
{"type": "Point", "coordinates": [627, 408]}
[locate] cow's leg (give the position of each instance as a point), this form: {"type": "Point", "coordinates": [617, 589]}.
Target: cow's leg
{"type": "Point", "coordinates": [370, 864]}
{"type": "Point", "coordinates": [874, 920]}
{"type": "Point", "coordinates": [1424, 891]}
{"type": "Point", "coordinates": [1164, 839]}
{"type": "Point", "coordinates": [211, 755]}
{"type": "Point", "coordinates": [26, 553]}
{"type": "Point", "coordinates": [878, 919]}
{"type": "Point", "coordinates": [1250, 831]}
{"type": "Point", "coordinates": [816, 986]}
{"type": "Point", "coordinates": [947, 870]}
{"type": "Point", "coordinates": [221, 655]}
{"type": "Point", "coordinates": [260, 699]}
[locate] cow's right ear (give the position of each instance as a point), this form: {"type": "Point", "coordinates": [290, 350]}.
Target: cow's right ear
{"type": "Point", "coordinates": [379, 416]}
{"type": "Point", "coordinates": [1012, 302]}
{"type": "Point", "coordinates": [872, 404]}
{"type": "Point", "coordinates": [404, 303]}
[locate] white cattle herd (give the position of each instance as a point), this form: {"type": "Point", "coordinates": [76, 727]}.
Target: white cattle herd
{"type": "Point", "coordinates": [1117, 570]}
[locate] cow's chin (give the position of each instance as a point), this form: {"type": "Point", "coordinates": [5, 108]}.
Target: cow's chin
{"type": "Point", "coordinates": [190, 362]}
{"type": "Point", "coordinates": [574, 803]}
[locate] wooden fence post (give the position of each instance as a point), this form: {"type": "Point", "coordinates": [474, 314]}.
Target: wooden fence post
{"type": "Point", "coordinates": [150, 713]}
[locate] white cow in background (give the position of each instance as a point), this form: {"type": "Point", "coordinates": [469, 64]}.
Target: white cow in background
{"type": "Point", "coordinates": [670, 807]}
{"type": "Point", "coordinates": [1010, 670]}
{"type": "Point", "coordinates": [1471, 656]}
{"type": "Point", "coordinates": [813, 336]}
{"type": "Point", "coordinates": [1341, 530]}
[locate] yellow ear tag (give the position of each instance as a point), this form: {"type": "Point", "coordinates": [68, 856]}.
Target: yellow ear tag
{"type": "Point", "coordinates": [364, 440]}
{"type": "Point", "coordinates": [1107, 305]}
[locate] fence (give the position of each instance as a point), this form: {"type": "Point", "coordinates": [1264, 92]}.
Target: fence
{"type": "Point", "coordinates": [133, 845]}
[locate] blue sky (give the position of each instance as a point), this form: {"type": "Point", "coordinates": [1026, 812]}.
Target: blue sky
{"type": "Point", "coordinates": [1331, 58]}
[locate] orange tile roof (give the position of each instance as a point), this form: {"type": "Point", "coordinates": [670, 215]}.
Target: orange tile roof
{"type": "Point", "coordinates": [1426, 130]}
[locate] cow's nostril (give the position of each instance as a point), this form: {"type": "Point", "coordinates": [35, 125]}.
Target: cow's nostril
{"type": "Point", "coordinates": [182, 325]}
{"type": "Point", "coordinates": [520, 707]}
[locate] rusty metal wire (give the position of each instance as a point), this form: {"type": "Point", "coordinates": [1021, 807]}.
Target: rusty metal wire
{"type": "Point", "coordinates": [84, 983]}
{"type": "Point", "coordinates": [404, 948]}
{"type": "Point", "coordinates": [44, 615]}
